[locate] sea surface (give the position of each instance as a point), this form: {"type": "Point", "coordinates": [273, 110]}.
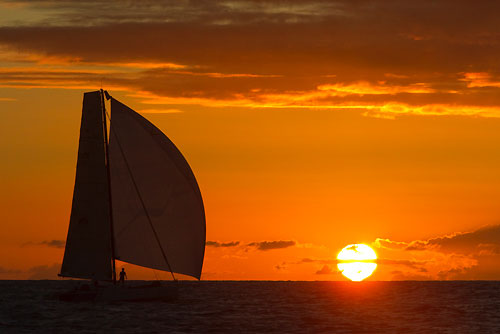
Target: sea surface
{"type": "Point", "coordinates": [262, 307]}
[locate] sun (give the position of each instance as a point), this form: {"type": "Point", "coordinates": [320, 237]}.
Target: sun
{"type": "Point", "coordinates": [356, 261]}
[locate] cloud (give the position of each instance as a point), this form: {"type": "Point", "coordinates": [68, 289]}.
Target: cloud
{"type": "Point", "coordinates": [159, 111]}
{"type": "Point", "coordinates": [308, 260]}
{"type": "Point", "coordinates": [487, 237]}
{"type": "Point", "coordinates": [280, 267]}
{"type": "Point", "coordinates": [489, 249]}
{"type": "Point", "coordinates": [480, 79]}
{"type": "Point", "coordinates": [392, 110]}
{"type": "Point", "coordinates": [292, 26]}
{"type": "Point", "coordinates": [99, 12]}
{"type": "Point", "coordinates": [270, 245]}
{"type": "Point", "coordinates": [460, 255]}
{"type": "Point", "coordinates": [222, 244]}
{"type": "Point", "coordinates": [49, 243]}
{"type": "Point", "coordinates": [437, 265]}
{"type": "Point", "coordinates": [321, 261]}
{"type": "Point", "coordinates": [258, 245]}
{"type": "Point", "coordinates": [54, 243]}
{"type": "Point", "coordinates": [461, 241]}
{"type": "Point", "coordinates": [367, 88]}
{"type": "Point", "coordinates": [391, 59]}
{"type": "Point", "coordinates": [325, 270]}
{"type": "Point", "coordinates": [413, 264]}
{"type": "Point", "coordinates": [389, 244]}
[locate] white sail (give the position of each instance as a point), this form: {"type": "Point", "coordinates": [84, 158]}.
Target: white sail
{"type": "Point", "coordinates": [158, 214]}
{"type": "Point", "coordinates": [88, 244]}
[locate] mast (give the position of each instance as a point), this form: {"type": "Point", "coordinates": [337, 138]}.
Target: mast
{"type": "Point", "coordinates": [106, 144]}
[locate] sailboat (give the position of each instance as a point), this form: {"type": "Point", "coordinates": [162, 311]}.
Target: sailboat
{"type": "Point", "coordinates": [136, 200]}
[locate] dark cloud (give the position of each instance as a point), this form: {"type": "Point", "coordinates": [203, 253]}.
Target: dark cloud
{"type": "Point", "coordinates": [269, 245]}
{"type": "Point", "coordinates": [484, 238]}
{"type": "Point", "coordinates": [416, 246]}
{"type": "Point", "coordinates": [259, 245]}
{"type": "Point", "coordinates": [321, 261]}
{"type": "Point", "coordinates": [307, 260]}
{"type": "Point", "coordinates": [418, 38]}
{"type": "Point", "coordinates": [222, 244]}
{"type": "Point", "coordinates": [303, 49]}
{"type": "Point", "coordinates": [54, 243]}
{"type": "Point", "coordinates": [280, 48]}
{"type": "Point", "coordinates": [284, 265]}
{"type": "Point", "coordinates": [280, 267]}
{"type": "Point", "coordinates": [325, 270]}
{"type": "Point", "coordinates": [49, 243]}
{"type": "Point", "coordinates": [461, 255]}
{"type": "Point", "coordinates": [100, 12]}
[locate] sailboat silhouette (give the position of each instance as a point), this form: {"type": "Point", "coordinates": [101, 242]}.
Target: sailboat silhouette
{"type": "Point", "coordinates": [135, 200]}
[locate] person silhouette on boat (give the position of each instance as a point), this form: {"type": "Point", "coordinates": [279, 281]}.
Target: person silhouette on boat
{"type": "Point", "coordinates": [123, 276]}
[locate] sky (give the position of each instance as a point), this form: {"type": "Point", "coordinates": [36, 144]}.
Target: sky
{"type": "Point", "coordinates": [309, 125]}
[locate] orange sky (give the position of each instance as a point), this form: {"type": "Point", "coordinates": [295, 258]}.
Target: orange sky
{"type": "Point", "coordinates": [309, 125]}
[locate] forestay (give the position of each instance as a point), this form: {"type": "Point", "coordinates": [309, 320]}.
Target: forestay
{"type": "Point", "coordinates": [88, 244]}
{"type": "Point", "coordinates": [158, 214]}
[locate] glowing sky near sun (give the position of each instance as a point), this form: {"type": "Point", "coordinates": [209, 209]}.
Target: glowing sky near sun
{"type": "Point", "coordinates": [309, 125]}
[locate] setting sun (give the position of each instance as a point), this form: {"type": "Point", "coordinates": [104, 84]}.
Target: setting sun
{"type": "Point", "coordinates": [356, 261]}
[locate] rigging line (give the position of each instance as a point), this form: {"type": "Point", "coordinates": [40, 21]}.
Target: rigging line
{"type": "Point", "coordinates": [142, 203]}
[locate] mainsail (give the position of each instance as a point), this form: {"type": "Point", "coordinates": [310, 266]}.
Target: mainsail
{"type": "Point", "coordinates": [88, 245]}
{"type": "Point", "coordinates": [158, 214]}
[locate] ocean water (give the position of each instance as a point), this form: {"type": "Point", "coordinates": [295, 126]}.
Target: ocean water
{"type": "Point", "coordinates": [262, 307]}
